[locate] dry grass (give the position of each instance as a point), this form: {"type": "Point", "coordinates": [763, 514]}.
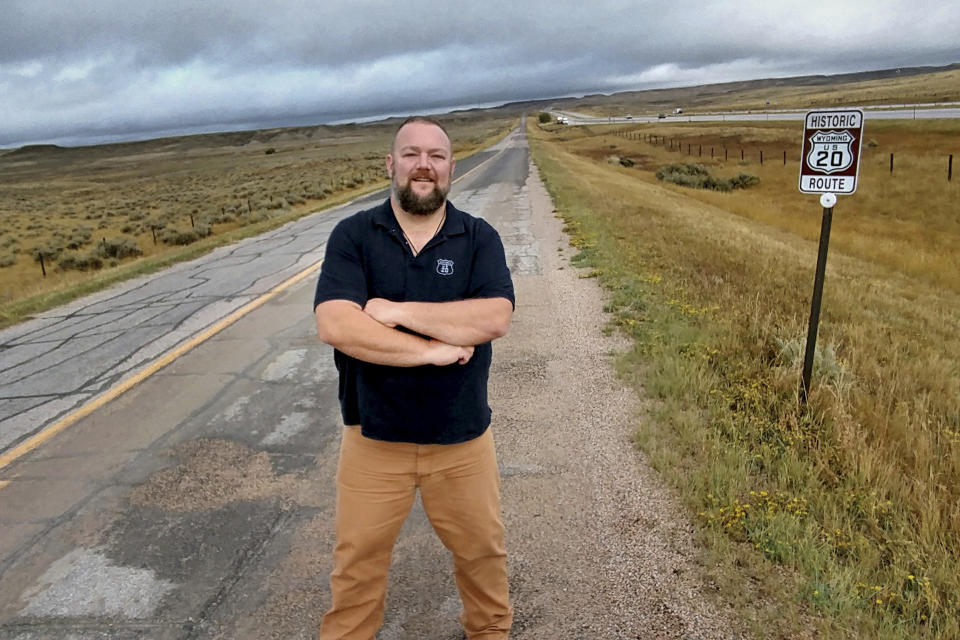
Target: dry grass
{"type": "Point", "coordinates": [101, 213]}
{"type": "Point", "coordinates": [869, 225]}
{"type": "Point", "coordinates": [858, 493]}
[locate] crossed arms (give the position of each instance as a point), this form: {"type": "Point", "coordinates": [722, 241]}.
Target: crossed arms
{"type": "Point", "coordinates": [369, 333]}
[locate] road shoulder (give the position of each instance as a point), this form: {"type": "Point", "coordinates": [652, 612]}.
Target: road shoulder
{"type": "Point", "coordinates": [599, 546]}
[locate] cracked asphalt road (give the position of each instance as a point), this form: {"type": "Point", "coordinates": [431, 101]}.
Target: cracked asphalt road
{"type": "Point", "coordinates": [52, 364]}
{"type": "Point", "coordinates": [199, 504]}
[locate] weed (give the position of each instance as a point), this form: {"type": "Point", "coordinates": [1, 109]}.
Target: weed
{"type": "Point", "coordinates": [698, 177]}
{"type": "Point", "coordinates": [80, 262]}
{"type": "Point", "coordinates": [118, 248]}
{"type": "Point", "coordinates": [184, 236]}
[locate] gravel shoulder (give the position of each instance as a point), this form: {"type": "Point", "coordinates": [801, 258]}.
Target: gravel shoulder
{"type": "Point", "coordinates": [599, 546]}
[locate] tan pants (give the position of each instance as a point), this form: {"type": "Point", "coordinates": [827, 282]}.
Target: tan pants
{"type": "Point", "coordinates": [460, 489]}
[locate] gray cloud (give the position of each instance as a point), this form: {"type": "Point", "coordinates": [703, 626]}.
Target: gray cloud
{"type": "Point", "coordinates": [75, 71]}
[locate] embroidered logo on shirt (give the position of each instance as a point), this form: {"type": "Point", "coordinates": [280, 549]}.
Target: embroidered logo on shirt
{"type": "Point", "coordinates": [445, 267]}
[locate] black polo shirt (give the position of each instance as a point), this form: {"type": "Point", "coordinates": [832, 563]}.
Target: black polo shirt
{"type": "Point", "coordinates": [367, 257]}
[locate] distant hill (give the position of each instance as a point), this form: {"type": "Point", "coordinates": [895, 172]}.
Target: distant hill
{"type": "Point", "coordinates": [918, 84]}
{"type": "Point", "coordinates": [34, 150]}
{"type": "Point", "coordinates": [921, 84]}
{"type": "Point", "coordinates": [179, 144]}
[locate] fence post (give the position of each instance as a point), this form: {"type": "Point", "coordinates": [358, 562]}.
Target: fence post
{"type": "Point", "coordinates": [43, 269]}
{"type": "Point", "coordinates": [700, 151]}
{"type": "Point", "coordinates": [761, 157]}
{"type": "Point", "coordinates": [741, 153]}
{"type": "Point", "coordinates": [891, 163]}
{"type": "Point", "coordinates": [950, 168]}
{"type": "Point", "coordinates": [725, 154]}
{"type": "Point", "coordinates": [784, 158]}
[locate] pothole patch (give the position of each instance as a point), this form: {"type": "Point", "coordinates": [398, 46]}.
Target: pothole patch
{"type": "Point", "coordinates": [212, 473]}
{"type": "Point", "coordinates": [86, 583]}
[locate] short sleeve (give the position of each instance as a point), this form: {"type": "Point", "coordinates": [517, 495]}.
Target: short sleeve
{"type": "Point", "coordinates": [490, 277]}
{"type": "Point", "coordinates": [341, 274]}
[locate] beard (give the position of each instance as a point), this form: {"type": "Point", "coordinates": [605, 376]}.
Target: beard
{"type": "Point", "coordinates": [419, 205]}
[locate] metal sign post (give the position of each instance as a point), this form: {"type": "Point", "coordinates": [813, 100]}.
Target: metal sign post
{"type": "Point", "coordinates": [829, 164]}
{"type": "Point", "coordinates": [827, 200]}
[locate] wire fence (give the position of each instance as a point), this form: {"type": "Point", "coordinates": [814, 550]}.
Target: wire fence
{"type": "Point", "coordinates": [746, 154]}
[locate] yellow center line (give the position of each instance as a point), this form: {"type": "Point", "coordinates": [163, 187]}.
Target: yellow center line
{"type": "Point", "coordinates": [125, 385]}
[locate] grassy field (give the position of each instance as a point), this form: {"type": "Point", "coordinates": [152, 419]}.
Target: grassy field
{"type": "Point", "coordinates": [105, 213]}
{"type": "Point", "coordinates": [841, 518]}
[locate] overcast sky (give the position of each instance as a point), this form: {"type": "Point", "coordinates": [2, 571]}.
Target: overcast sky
{"type": "Point", "coordinates": [84, 71]}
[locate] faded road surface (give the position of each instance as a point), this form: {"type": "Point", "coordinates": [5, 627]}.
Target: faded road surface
{"type": "Point", "coordinates": [200, 503]}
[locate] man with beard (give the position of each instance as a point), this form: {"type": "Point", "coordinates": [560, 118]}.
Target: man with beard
{"type": "Point", "coordinates": [410, 295]}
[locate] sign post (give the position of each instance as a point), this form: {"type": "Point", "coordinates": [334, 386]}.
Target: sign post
{"type": "Point", "coordinates": [829, 164]}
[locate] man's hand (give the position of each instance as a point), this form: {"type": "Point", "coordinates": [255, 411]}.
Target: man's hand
{"type": "Point", "coordinates": [442, 354]}
{"type": "Point", "coordinates": [383, 311]}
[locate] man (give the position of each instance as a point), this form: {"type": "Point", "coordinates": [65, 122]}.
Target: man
{"type": "Point", "coordinates": [410, 296]}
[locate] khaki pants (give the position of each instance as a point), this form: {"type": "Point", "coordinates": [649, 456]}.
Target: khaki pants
{"type": "Point", "coordinates": [460, 489]}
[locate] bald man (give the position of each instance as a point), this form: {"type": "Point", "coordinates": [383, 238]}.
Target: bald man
{"type": "Point", "coordinates": [410, 295]}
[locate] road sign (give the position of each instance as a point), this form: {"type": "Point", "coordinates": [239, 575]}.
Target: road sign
{"type": "Point", "coordinates": [830, 162]}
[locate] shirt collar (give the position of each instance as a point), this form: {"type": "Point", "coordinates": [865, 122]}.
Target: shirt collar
{"type": "Point", "coordinates": [383, 217]}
